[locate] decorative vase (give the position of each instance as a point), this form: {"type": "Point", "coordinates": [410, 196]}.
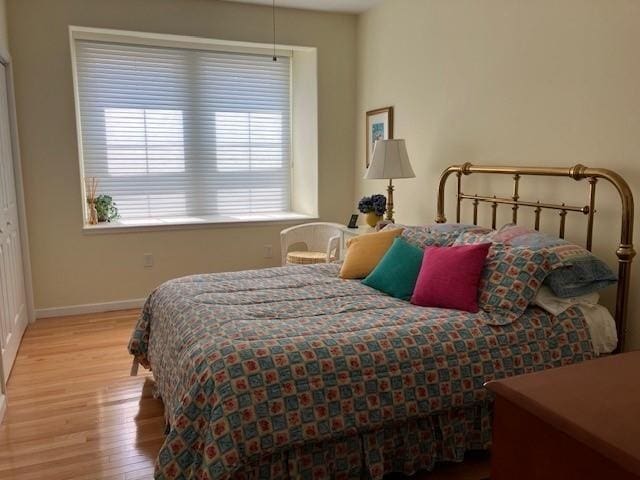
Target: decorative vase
{"type": "Point", "coordinates": [372, 219]}
{"type": "Point", "coordinates": [93, 214]}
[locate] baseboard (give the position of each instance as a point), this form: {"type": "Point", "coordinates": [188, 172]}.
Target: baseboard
{"type": "Point", "coordinates": [89, 308]}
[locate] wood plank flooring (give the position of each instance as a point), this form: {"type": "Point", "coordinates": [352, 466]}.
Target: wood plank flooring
{"type": "Point", "coordinates": [75, 413]}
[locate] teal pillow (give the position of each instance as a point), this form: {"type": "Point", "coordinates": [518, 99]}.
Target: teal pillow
{"type": "Point", "coordinates": [397, 272]}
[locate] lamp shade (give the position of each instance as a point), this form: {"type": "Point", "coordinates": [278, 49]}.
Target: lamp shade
{"type": "Point", "coordinates": [390, 160]}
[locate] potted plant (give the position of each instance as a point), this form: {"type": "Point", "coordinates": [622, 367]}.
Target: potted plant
{"type": "Point", "coordinates": [373, 207]}
{"type": "Point", "coordinates": [106, 209]}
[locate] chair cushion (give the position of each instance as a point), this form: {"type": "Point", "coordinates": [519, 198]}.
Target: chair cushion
{"type": "Point", "coordinates": [306, 258]}
{"type": "Point", "coordinates": [397, 272]}
{"type": "Point", "coordinates": [365, 251]}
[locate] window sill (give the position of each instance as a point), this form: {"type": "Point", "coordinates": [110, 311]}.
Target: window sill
{"type": "Point", "coordinates": [189, 223]}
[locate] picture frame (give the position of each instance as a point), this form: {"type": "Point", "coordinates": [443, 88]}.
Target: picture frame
{"type": "Point", "coordinates": [379, 125]}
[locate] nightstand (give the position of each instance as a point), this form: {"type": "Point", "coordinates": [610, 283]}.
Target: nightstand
{"type": "Point", "coordinates": [348, 233]}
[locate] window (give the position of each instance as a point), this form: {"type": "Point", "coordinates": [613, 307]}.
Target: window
{"type": "Point", "coordinates": [177, 133]}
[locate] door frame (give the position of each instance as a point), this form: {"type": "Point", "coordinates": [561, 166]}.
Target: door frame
{"type": "Point", "coordinates": [5, 60]}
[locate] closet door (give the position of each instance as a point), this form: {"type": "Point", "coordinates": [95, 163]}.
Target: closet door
{"type": "Point", "coordinates": [13, 308]}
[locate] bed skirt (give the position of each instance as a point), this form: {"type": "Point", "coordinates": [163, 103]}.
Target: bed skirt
{"type": "Point", "coordinates": [407, 448]}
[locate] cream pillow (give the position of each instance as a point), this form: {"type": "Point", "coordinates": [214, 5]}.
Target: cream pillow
{"type": "Point", "coordinates": [365, 251]}
{"type": "Point", "coordinates": [547, 300]}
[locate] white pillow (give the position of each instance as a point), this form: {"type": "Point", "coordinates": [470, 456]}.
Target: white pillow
{"type": "Point", "coordinates": [556, 305]}
{"type": "Point", "coordinates": [602, 328]}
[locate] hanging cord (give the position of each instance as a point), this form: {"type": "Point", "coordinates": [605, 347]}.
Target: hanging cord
{"type": "Point", "coordinates": [273, 10]}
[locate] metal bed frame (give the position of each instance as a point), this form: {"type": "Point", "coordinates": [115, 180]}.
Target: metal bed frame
{"type": "Point", "coordinates": [624, 252]}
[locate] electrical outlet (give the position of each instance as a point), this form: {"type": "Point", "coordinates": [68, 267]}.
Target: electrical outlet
{"type": "Point", "coordinates": [148, 260]}
{"type": "Point", "coordinates": [268, 251]}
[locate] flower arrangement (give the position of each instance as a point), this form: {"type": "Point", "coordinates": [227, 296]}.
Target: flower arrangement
{"type": "Point", "coordinates": [376, 204]}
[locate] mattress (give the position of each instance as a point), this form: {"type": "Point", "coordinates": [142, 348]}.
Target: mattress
{"type": "Point", "coordinates": [254, 364]}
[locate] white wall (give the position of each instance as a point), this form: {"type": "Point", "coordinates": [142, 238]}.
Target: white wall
{"type": "Point", "coordinates": [542, 82]}
{"type": "Point", "coordinates": [70, 267]}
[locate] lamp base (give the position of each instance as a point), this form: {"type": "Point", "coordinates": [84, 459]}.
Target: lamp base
{"type": "Point", "coordinates": [390, 201]}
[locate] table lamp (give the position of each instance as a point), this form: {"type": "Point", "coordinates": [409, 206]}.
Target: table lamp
{"type": "Point", "coordinates": [390, 160]}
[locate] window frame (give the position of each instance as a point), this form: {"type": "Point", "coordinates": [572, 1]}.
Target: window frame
{"type": "Point", "coordinates": [186, 42]}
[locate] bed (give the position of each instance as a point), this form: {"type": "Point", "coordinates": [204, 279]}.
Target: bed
{"type": "Point", "coordinates": [291, 372]}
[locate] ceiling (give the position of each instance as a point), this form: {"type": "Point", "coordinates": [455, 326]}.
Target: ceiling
{"type": "Point", "coordinates": [347, 6]}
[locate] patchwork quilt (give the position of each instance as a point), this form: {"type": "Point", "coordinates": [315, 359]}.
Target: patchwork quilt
{"type": "Point", "coordinates": [293, 371]}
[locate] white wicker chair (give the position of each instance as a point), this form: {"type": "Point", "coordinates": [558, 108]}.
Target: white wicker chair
{"type": "Point", "coordinates": [322, 241]}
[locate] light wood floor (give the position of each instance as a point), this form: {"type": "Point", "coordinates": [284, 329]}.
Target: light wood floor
{"type": "Point", "coordinates": [75, 413]}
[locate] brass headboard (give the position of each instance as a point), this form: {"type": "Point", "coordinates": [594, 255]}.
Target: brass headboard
{"type": "Point", "coordinates": [624, 252]}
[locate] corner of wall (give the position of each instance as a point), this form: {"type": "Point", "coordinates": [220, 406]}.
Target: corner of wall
{"type": "Point", "coordinates": [4, 32]}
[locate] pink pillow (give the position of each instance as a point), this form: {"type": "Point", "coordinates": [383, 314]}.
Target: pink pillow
{"type": "Point", "coordinates": [449, 277]}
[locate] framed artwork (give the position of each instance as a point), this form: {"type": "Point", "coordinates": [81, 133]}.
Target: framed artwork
{"type": "Point", "coordinates": [379, 127]}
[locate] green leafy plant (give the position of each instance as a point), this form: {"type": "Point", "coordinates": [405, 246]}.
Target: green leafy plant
{"type": "Point", "coordinates": [106, 208]}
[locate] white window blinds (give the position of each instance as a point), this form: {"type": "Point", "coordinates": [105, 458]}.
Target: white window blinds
{"type": "Point", "coordinates": [175, 132]}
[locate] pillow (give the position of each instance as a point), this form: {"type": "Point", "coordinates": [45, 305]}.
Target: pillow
{"type": "Point", "coordinates": [397, 272]}
{"type": "Point", "coordinates": [452, 227]}
{"type": "Point", "coordinates": [555, 305]}
{"type": "Point", "coordinates": [438, 234]}
{"type": "Point", "coordinates": [511, 278]}
{"type": "Point", "coordinates": [449, 277]}
{"type": "Point", "coordinates": [582, 272]}
{"type": "Point", "coordinates": [365, 251]}
{"type": "Point", "coordinates": [475, 235]}
{"type": "Point", "coordinates": [424, 237]}
{"type": "Point", "coordinates": [602, 328]}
